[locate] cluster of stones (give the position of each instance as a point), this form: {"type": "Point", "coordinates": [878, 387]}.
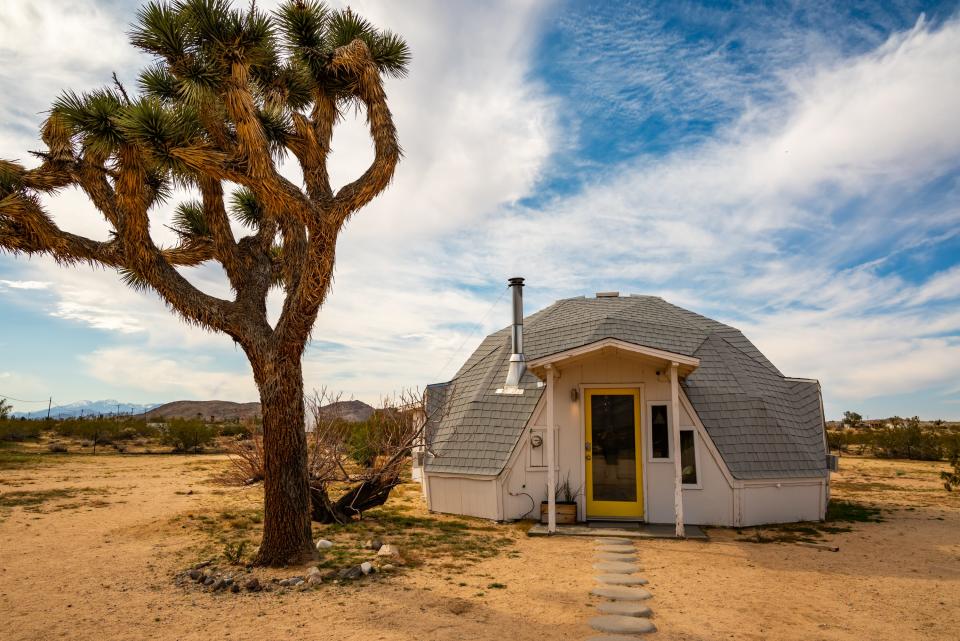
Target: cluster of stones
{"type": "Point", "coordinates": [622, 613]}
{"type": "Point", "coordinates": [214, 579]}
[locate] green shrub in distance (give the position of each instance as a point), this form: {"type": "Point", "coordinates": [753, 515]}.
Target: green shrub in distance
{"type": "Point", "coordinates": [19, 430]}
{"type": "Point", "coordinates": [188, 434]}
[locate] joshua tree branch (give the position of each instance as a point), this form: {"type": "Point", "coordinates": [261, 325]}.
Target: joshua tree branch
{"type": "Point", "coordinates": [355, 195]}
{"type": "Point", "coordinates": [223, 241]}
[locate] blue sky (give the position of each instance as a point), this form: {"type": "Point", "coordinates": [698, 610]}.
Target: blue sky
{"type": "Point", "coordinates": [791, 169]}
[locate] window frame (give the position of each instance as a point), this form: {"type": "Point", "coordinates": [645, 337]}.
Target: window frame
{"type": "Point", "coordinates": [648, 445]}
{"type": "Point", "coordinates": [649, 432]}
{"type": "Point", "coordinates": [696, 460]}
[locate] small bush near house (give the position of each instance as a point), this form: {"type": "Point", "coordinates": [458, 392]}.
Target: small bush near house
{"type": "Point", "coordinates": [188, 435]}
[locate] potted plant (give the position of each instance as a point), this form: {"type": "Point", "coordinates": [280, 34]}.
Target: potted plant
{"type": "Point", "coordinates": [566, 504]}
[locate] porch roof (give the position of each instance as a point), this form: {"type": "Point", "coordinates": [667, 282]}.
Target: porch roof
{"type": "Point", "coordinates": [764, 424]}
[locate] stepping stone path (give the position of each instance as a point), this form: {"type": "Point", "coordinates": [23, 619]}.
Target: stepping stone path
{"type": "Point", "coordinates": [623, 558]}
{"type": "Point", "coordinates": [622, 615]}
{"type": "Point", "coordinates": [615, 549]}
{"type": "Point", "coordinates": [624, 608]}
{"type": "Point", "coordinates": [619, 593]}
{"type": "Point", "coordinates": [621, 579]}
{"type": "Point", "coordinates": [616, 567]}
{"type": "Point", "coordinates": [612, 540]}
{"type": "Point", "coordinates": [622, 624]}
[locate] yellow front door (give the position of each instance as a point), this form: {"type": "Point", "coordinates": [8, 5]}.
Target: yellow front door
{"type": "Point", "coordinates": [613, 454]}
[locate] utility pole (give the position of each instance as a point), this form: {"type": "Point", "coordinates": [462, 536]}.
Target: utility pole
{"type": "Point", "coordinates": [49, 405]}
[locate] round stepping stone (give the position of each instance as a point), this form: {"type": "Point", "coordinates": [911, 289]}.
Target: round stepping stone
{"type": "Point", "coordinates": [609, 556]}
{"type": "Point", "coordinates": [613, 637]}
{"type": "Point", "coordinates": [612, 540]}
{"type": "Point", "coordinates": [615, 549]}
{"type": "Point", "coordinates": [621, 624]}
{"type": "Point", "coordinates": [618, 593]}
{"type": "Point", "coordinates": [625, 608]}
{"type": "Point", "coordinates": [616, 567]}
{"type": "Point", "coordinates": [621, 579]}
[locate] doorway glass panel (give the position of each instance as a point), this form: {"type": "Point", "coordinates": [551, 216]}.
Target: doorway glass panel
{"type": "Point", "coordinates": [614, 448]}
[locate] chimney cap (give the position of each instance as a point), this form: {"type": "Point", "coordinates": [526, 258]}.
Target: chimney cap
{"type": "Point", "coordinates": [608, 294]}
{"type": "Point", "coordinates": [516, 280]}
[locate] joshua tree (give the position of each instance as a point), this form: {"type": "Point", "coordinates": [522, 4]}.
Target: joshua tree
{"type": "Point", "coordinates": [231, 93]}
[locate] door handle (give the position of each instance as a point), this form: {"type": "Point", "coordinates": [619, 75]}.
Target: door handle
{"type": "Point", "coordinates": [587, 457]}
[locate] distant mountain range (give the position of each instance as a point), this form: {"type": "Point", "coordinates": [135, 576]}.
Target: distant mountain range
{"type": "Point", "coordinates": [352, 411]}
{"type": "Point", "coordinates": [106, 407]}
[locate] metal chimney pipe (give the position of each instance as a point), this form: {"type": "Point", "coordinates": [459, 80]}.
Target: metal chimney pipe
{"type": "Point", "coordinates": [517, 332]}
{"type": "Point", "coordinates": [517, 364]}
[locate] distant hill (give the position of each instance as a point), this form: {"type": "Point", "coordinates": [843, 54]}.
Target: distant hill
{"type": "Point", "coordinates": [106, 407]}
{"type": "Point", "coordinates": [352, 411]}
{"type": "Point", "coordinates": [219, 410]}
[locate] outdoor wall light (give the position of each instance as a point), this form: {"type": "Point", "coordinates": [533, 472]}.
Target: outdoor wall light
{"type": "Point", "coordinates": [574, 394]}
{"type": "Point", "coordinates": [536, 440]}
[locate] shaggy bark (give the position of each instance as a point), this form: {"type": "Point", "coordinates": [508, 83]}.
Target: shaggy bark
{"type": "Point", "coordinates": [286, 487]}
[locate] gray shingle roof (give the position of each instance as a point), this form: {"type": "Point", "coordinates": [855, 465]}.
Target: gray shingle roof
{"type": "Point", "coordinates": [764, 424]}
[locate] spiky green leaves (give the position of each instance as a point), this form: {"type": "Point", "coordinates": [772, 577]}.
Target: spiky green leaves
{"type": "Point", "coordinates": [189, 221]}
{"type": "Point", "coordinates": [169, 135]}
{"type": "Point", "coordinates": [245, 209]}
{"type": "Point", "coordinates": [91, 118]}
{"type": "Point", "coordinates": [199, 41]}
{"type": "Point", "coordinates": [312, 33]}
{"type": "Point", "coordinates": [187, 30]}
{"type": "Point", "coordinates": [161, 29]}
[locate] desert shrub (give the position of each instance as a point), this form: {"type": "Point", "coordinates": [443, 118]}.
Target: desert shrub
{"type": "Point", "coordinates": [246, 461]}
{"type": "Point", "coordinates": [19, 430]}
{"type": "Point", "coordinates": [951, 479]}
{"type": "Point", "coordinates": [57, 447]}
{"type": "Point", "coordinates": [188, 434]}
{"type": "Point", "coordinates": [361, 442]}
{"type": "Point", "coordinates": [908, 439]}
{"type": "Point", "coordinates": [237, 430]}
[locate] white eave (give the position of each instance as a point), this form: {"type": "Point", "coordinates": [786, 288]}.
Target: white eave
{"type": "Point", "coordinates": [686, 363]}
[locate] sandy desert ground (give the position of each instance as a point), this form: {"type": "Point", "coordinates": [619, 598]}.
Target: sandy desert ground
{"type": "Point", "coordinates": [90, 547]}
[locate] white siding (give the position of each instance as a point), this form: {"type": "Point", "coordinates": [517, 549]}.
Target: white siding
{"type": "Point", "coordinates": [457, 495]}
{"type": "Point", "coordinates": [788, 503]}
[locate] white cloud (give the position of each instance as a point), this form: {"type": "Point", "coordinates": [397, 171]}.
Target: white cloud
{"type": "Point", "coordinates": [183, 377]}
{"type": "Point", "coordinates": [24, 284]}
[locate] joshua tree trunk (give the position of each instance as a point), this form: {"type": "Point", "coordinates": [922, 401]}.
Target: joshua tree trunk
{"type": "Point", "coordinates": [286, 519]}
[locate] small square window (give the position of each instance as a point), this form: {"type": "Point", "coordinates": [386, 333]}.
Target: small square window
{"type": "Point", "coordinates": [659, 432]}
{"type": "Point", "coordinates": [688, 458]}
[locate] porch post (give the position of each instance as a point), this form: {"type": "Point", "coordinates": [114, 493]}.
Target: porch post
{"type": "Point", "coordinates": [677, 466]}
{"type": "Point", "coordinates": [551, 455]}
